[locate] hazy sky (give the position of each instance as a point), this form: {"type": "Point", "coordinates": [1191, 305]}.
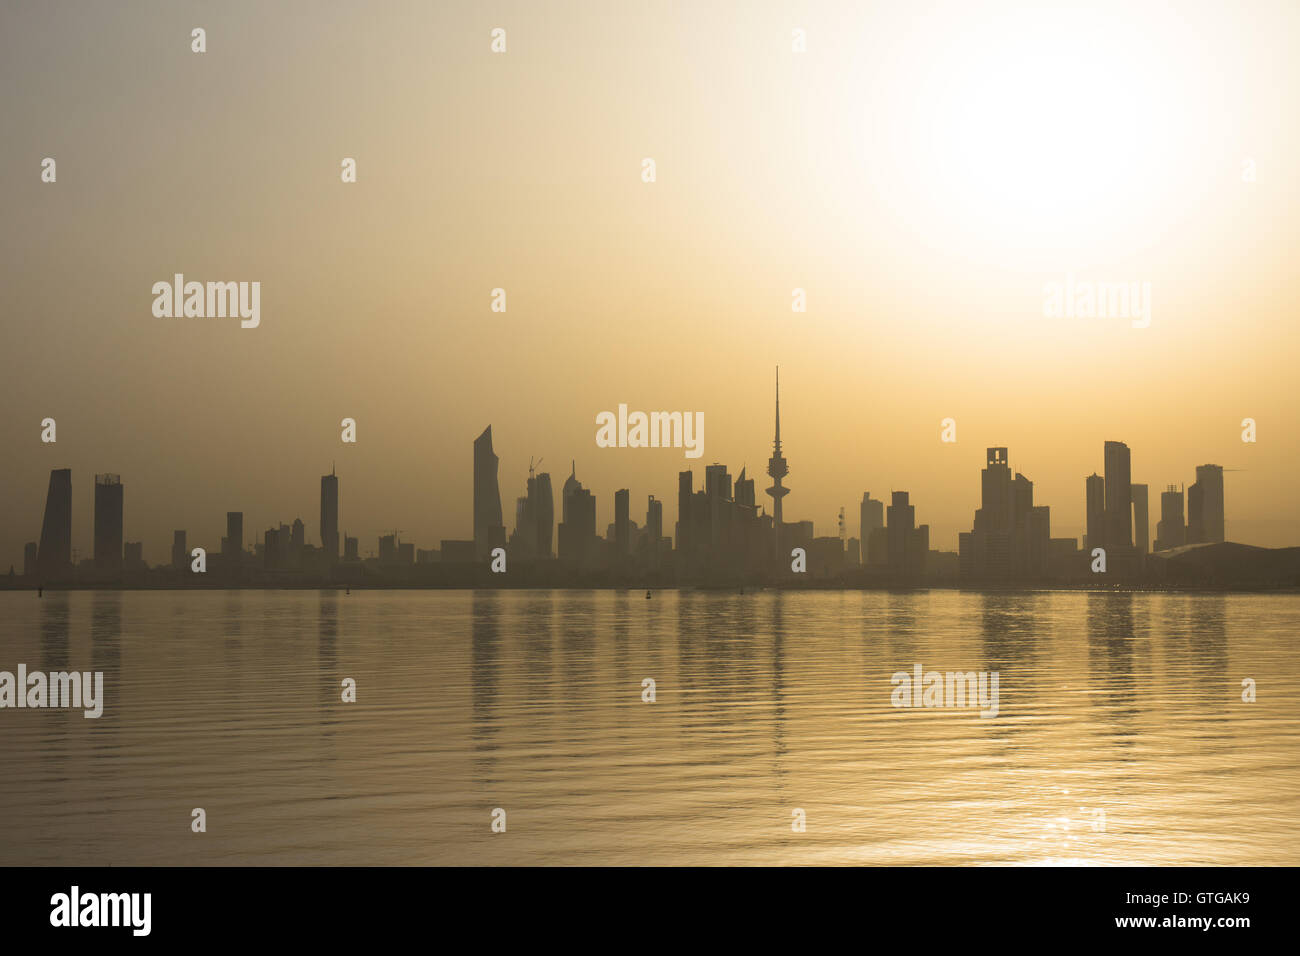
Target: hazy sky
{"type": "Point", "coordinates": [923, 170]}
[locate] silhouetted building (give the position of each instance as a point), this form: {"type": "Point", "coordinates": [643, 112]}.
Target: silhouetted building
{"type": "Point", "coordinates": [544, 514]}
{"type": "Point", "coordinates": [1141, 520]}
{"type": "Point", "coordinates": [578, 540]}
{"type": "Point", "coordinates": [133, 555]}
{"type": "Point", "coordinates": [744, 491]}
{"type": "Point", "coordinates": [1011, 537]}
{"type": "Point", "coordinates": [1119, 497]}
{"type": "Point", "coordinates": [489, 532]}
{"type": "Point", "coordinates": [329, 516]}
{"type": "Point", "coordinates": [1170, 530]}
{"type": "Point", "coordinates": [271, 556]}
{"type": "Point", "coordinates": [778, 469]}
{"type": "Point", "coordinates": [622, 517]}
{"type": "Point", "coordinates": [986, 552]}
{"type": "Point", "coordinates": [54, 556]}
{"type": "Point", "coordinates": [685, 494]}
{"type": "Point", "coordinates": [180, 553]}
{"type": "Point", "coordinates": [871, 515]}
{"type": "Point", "coordinates": [232, 546]}
{"type": "Point", "coordinates": [904, 540]}
{"type": "Point", "coordinates": [654, 527]}
{"type": "Point", "coordinates": [534, 519]}
{"type": "Point", "coordinates": [351, 549]}
{"type": "Point", "coordinates": [1095, 537]}
{"type": "Point", "coordinates": [108, 522]}
{"type": "Point", "coordinates": [523, 540]}
{"type": "Point", "coordinates": [1205, 506]}
{"type": "Point", "coordinates": [297, 542]}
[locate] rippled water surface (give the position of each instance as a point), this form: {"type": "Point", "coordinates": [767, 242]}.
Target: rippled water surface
{"type": "Point", "coordinates": [1121, 734]}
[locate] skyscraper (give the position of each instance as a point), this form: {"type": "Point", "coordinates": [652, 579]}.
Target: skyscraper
{"type": "Point", "coordinates": [1119, 497]}
{"type": "Point", "coordinates": [180, 554]}
{"type": "Point", "coordinates": [901, 527]}
{"type": "Point", "coordinates": [654, 527]}
{"type": "Point", "coordinates": [534, 518]}
{"type": "Point", "coordinates": [578, 529]}
{"type": "Point", "coordinates": [871, 521]}
{"type": "Point", "coordinates": [685, 495]}
{"type": "Point", "coordinates": [1170, 531]}
{"type": "Point", "coordinates": [777, 469]}
{"type": "Point", "coordinates": [54, 556]}
{"type": "Point", "coordinates": [108, 522]}
{"type": "Point", "coordinates": [1205, 506]}
{"type": "Point", "coordinates": [622, 527]}
{"type": "Point", "coordinates": [329, 516]}
{"type": "Point", "coordinates": [489, 532]}
{"type": "Point", "coordinates": [744, 490]}
{"type": "Point", "coordinates": [544, 513]}
{"type": "Point", "coordinates": [233, 543]}
{"type": "Point", "coordinates": [1095, 536]}
{"type": "Point", "coordinates": [1141, 520]}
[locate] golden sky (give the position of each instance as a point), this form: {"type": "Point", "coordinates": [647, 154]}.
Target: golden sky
{"type": "Point", "coordinates": [922, 171]}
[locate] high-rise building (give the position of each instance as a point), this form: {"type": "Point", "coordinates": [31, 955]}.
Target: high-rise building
{"type": "Point", "coordinates": [685, 495]}
{"type": "Point", "coordinates": [233, 542]}
{"type": "Point", "coordinates": [523, 540]}
{"type": "Point", "coordinates": [1205, 506]}
{"type": "Point", "coordinates": [1011, 537]}
{"type": "Point", "coordinates": [534, 518]}
{"type": "Point", "coordinates": [744, 490]}
{"type": "Point", "coordinates": [654, 527]}
{"type": "Point", "coordinates": [871, 515]}
{"type": "Point", "coordinates": [622, 517]}
{"type": "Point", "coordinates": [329, 516]}
{"type": "Point", "coordinates": [544, 513]}
{"type": "Point", "coordinates": [578, 529]}
{"type": "Point", "coordinates": [1119, 497]}
{"type": "Point", "coordinates": [54, 556]}
{"type": "Point", "coordinates": [180, 553]}
{"type": "Point", "coordinates": [717, 481]}
{"type": "Point", "coordinates": [901, 527]}
{"type": "Point", "coordinates": [108, 522]}
{"type": "Point", "coordinates": [1095, 536]}
{"type": "Point", "coordinates": [1141, 520]}
{"type": "Point", "coordinates": [489, 532]}
{"type": "Point", "coordinates": [1170, 531]}
{"type": "Point", "coordinates": [777, 469]}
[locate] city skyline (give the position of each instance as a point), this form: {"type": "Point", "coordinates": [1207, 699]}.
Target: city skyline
{"type": "Point", "coordinates": [1011, 539]}
{"type": "Point", "coordinates": [923, 262]}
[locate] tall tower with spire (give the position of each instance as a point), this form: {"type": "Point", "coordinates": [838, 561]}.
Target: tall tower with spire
{"type": "Point", "coordinates": [777, 469]}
